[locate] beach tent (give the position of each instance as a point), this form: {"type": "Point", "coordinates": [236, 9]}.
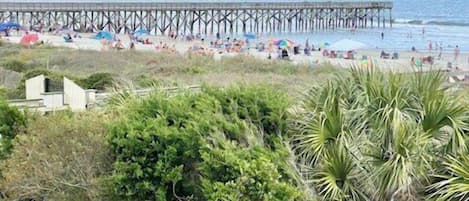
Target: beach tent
{"type": "Point", "coordinates": [104, 34]}
{"type": "Point", "coordinates": [347, 45]}
{"type": "Point", "coordinates": [141, 32]}
{"type": "Point", "coordinates": [27, 39]}
{"type": "Point", "coordinates": [250, 36]}
{"type": "Point", "coordinates": [284, 43]}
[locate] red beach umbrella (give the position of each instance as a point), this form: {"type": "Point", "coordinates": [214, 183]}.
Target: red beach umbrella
{"type": "Point", "coordinates": [27, 39]}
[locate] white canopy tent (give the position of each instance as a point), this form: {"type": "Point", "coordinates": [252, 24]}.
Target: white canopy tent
{"type": "Point", "coordinates": [347, 45]}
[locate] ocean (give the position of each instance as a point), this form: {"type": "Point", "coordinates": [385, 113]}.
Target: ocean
{"type": "Point", "coordinates": [445, 22]}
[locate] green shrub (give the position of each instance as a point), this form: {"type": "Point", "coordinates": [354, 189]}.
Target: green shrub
{"type": "Point", "coordinates": [146, 81]}
{"type": "Point", "coordinates": [59, 157]}
{"type": "Point", "coordinates": [11, 121]}
{"type": "Point", "coordinates": [183, 146]}
{"type": "Point", "coordinates": [3, 93]}
{"type": "Point", "coordinates": [264, 106]}
{"type": "Point", "coordinates": [154, 145]}
{"type": "Point", "coordinates": [15, 65]}
{"type": "Point", "coordinates": [244, 174]}
{"type": "Point", "coordinates": [98, 81]}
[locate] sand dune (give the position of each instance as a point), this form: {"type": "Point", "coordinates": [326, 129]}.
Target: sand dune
{"type": "Point", "coordinates": [88, 42]}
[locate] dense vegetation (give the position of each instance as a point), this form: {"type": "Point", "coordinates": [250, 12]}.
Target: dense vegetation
{"type": "Point", "coordinates": [365, 135]}
{"type": "Point", "coordinates": [213, 145]}
{"type": "Point", "coordinates": [384, 136]}
{"type": "Point", "coordinates": [63, 156]}
{"type": "Point", "coordinates": [11, 122]}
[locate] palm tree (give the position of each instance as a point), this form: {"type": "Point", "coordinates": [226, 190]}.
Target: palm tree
{"type": "Point", "coordinates": [392, 128]}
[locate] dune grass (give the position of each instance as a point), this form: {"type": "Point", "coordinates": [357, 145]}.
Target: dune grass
{"type": "Point", "coordinates": [141, 68]}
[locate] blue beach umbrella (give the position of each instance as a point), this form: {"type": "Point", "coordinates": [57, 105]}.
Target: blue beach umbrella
{"type": "Point", "coordinates": [141, 32]}
{"type": "Point", "coordinates": [10, 25]}
{"type": "Point", "coordinates": [104, 34]}
{"type": "Point", "coordinates": [3, 28]}
{"type": "Point", "coordinates": [250, 36]}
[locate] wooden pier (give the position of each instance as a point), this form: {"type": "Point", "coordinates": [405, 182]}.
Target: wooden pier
{"type": "Point", "coordinates": [203, 18]}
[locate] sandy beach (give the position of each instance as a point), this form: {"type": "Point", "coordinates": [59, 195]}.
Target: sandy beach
{"type": "Point", "coordinates": [87, 41]}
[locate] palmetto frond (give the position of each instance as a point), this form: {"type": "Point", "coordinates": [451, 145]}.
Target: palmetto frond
{"type": "Point", "coordinates": [454, 185]}
{"type": "Point", "coordinates": [322, 123]}
{"type": "Point", "coordinates": [402, 163]}
{"type": "Point", "coordinates": [339, 178]}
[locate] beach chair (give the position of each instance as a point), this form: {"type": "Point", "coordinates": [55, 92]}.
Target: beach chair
{"type": "Point", "coordinates": [68, 40]}
{"type": "Point", "coordinates": [384, 55]}
{"type": "Point", "coordinates": [284, 55]}
{"type": "Point", "coordinates": [349, 55]}
{"type": "Point", "coordinates": [449, 65]}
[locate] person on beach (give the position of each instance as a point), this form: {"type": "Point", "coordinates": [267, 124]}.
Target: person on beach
{"type": "Point", "coordinates": [430, 46]}
{"type": "Point", "coordinates": [119, 45]}
{"type": "Point", "coordinates": [440, 54]}
{"type": "Point", "coordinates": [382, 35]}
{"type": "Point", "coordinates": [103, 44]}
{"type": "Point", "coordinates": [412, 62]}
{"type": "Point", "coordinates": [419, 63]}
{"type": "Point", "coordinates": [457, 51]}
{"type": "Point", "coordinates": [173, 49]}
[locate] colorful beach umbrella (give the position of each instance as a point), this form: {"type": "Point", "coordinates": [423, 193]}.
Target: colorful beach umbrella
{"type": "Point", "coordinates": [284, 43]}
{"type": "Point", "coordinates": [27, 39]}
{"type": "Point", "coordinates": [104, 34]}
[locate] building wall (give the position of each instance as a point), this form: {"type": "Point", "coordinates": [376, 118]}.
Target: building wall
{"type": "Point", "coordinates": [35, 87]}
{"type": "Point", "coordinates": [74, 95]}
{"type": "Point", "coordinates": [53, 100]}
